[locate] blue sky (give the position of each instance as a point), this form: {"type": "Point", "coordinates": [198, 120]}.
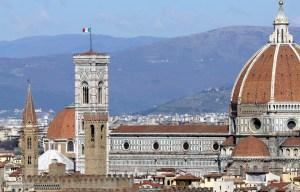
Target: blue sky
{"type": "Point", "coordinates": [128, 18]}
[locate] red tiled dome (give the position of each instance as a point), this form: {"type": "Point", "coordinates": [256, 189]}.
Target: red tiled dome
{"type": "Point", "coordinates": [291, 142]}
{"type": "Point", "coordinates": [272, 74]}
{"type": "Point", "coordinates": [63, 125]}
{"type": "Point", "coordinates": [229, 141]}
{"type": "Point", "coordinates": [251, 147]}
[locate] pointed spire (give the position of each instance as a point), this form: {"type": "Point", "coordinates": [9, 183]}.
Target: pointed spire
{"type": "Point", "coordinates": [29, 116]}
{"type": "Point", "coordinates": [281, 27]}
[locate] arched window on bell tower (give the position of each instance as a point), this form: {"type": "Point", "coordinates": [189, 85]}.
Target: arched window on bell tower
{"type": "Point", "coordinates": [100, 92]}
{"type": "Point", "coordinates": [85, 92]}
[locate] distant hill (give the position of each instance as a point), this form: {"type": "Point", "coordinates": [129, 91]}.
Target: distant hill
{"type": "Point", "coordinates": [141, 77]}
{"type": "Point", "coordinates": [69, 44]}
{"type": "Point", "coordinates": [207, 101]}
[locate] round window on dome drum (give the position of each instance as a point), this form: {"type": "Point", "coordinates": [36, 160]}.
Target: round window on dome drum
{"type": "Point", "coordinates": [155, 145]}
{"type": "Point", "coordinates": [256, 123]}
{"type": "Point", "coordinates": [126, 145]}
{"type": "Point", "coordinates": [291, 124]}
{"type": "Point", "coordinates": [186, 146]}
{"type": "Point", "coordinates": [216, 146]}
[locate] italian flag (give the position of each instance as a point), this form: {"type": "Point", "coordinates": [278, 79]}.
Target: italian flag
{"type": "Point", "coordinates": [87, 30]}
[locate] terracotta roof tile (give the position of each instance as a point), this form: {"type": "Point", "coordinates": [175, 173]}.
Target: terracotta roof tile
{"type": "Point", "coordinates": [236, 91]}
{"type": "Point", "coordinates": [63, 125]}
{"type": "Point", "coordinates": [91, 53]}
{"type": "Point", "coordinates": [257, 86]}
{"type": "Point", "coordinates": [187, 178]}
{"type": "Point", "coordinates": [209, 129]}
{"type": "Point", "coordinates": [214, 175]}
{"type": "Point", "coordinates": [251, 147]}
{"type": "Point", "coordinates": [16, 173]}
{"type": "Point", "coordinates": [229, 141]}
{"type": "Point", "coordinates": [258, 82]}
{"type": "Point", "coordinates": [287, 76]}
{"type": "Point", "coordinates": [291, 142]}
{"type": "Point", "coordinates": [277, 185]}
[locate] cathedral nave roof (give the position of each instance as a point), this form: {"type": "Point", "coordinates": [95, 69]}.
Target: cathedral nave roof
{"type": "Point", "coordinates": [172, 129]}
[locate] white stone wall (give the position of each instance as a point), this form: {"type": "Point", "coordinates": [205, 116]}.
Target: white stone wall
{"type": "Point", "coordinates": [141, 157]}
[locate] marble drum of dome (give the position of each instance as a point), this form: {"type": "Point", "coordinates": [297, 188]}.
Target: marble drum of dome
{"type": "Point", "coordinates": [266, 96]}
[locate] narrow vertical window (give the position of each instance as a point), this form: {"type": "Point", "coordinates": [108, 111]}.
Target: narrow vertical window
{"type": "Point", "coordinates": [70, 146]}
{"type": "Point", "coordinates": [82, 149]}
{"type": "Point", "coordinates": [100, 92]}
{"type": "Point", "coordinates": [29, 143]}
{"type": "Point", "coordinates": [92, 133]}
{"type": "Point", "coordinates": [85, 92]}
{"type": "Point", "coordinates": [82, 125]}
{"type": "Point", "coordinates": [29, 160]}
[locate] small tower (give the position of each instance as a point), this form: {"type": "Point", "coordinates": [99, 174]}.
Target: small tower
{"type": "Point", "coordinates": [29, 137]}
{"type": "Point", "coordinates": [281, 27]}
{"type": "Point", "coordinates": [91, 112]}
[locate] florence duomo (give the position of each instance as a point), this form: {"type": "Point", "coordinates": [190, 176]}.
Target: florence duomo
{"type": "Point", "coordinates": [100, 143]}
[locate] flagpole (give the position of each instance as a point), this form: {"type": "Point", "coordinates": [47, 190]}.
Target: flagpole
{"type": "Point", "coordinates": [91, 43]}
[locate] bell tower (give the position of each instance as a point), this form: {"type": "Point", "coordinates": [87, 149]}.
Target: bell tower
{"type": "Point", "coordinates": [29, 137]}
{"type": "Point", "coordinates": [91, 112]}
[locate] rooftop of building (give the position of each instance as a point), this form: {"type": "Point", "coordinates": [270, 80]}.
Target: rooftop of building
{"type": "Point", "coordinates": [251, 147]}
{"type": "Point", "coordinates": [172, 129]}
{"type": "Point", "coordinates": [63, 125]}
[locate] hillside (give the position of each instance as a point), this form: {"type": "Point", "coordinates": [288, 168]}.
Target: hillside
{"type": "Point", "coordinates": [207, 101]}
{"type": "Point", "coordinates": [68, 44]}
{"type": "Point", "coordinates": [140, 77]}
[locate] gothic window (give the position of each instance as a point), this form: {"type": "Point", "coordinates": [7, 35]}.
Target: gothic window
{"type": "Point", "coordinates": [102, 126]}
{"type": "Point", "coordinates": [295, 152]}
{"type": "Point", "coordinates": [92, 133]}
{"type": "Point", "coordinates": [29, 143]}
{"type": "Point", "coordinates": [100, 92]}
{"type": "Point", "coordinates": [29, 160]}
{"type": "Point", "coordinates": [82, 149]}
{"type": "Point", "coordinates": [224, 151]}
{"type": "Point", "coordinates": [85, 92]}
{"type": "Point", "coordinates": [288, 152]}
{"type": "Point", "coordinates": [82, 125]}
{"type": "Point", "coordinates": [70, 146]}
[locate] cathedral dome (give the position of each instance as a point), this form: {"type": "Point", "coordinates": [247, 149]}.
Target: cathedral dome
{"type": "Point", "coordinates": [63, 125]}
{"type": "Point", "coordinates": [251, 147]}
{"type": "Point", "coordinates": [272, 74]}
